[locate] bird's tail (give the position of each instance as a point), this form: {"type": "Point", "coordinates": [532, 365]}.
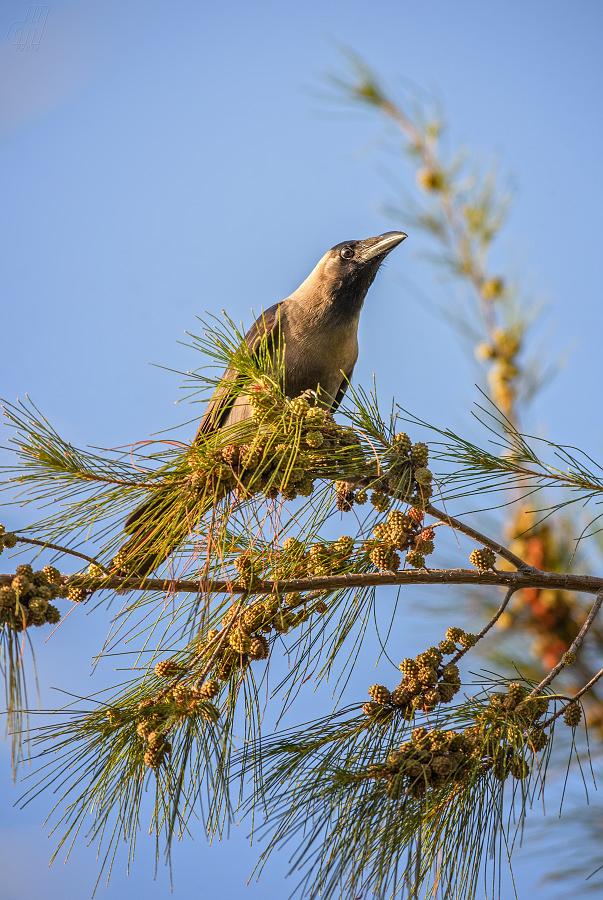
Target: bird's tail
{"type": "Point", "coordinates": [156, 528]}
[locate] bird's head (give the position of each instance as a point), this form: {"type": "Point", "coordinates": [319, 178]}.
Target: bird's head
{"type": "Point", "coordinates": [347, 270]}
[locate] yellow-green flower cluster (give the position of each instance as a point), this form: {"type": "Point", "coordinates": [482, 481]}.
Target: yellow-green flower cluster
{"type": "Point", "coordinates": [158, 747]}
{"type": "Point", "coordinates": [407, 473]}
{"type": "Point", "coordinates": [427, 682]}
{"type": "Point", "coordinates": [27, 600]}
{"type": "Point", "coordinates": [311, 441]}
{"type": "Point", "coordinates": [247, 629]}
{"type": "Point", "coordinates": [157, 716]}
{"type": "Point", "coordinates": [431, 179]}
{"type": "Point", "coordinates": [501, 351]}
{"type": "Point", "coordinates": [572, 715]}
{"type": "Point", "coordinates": [319, 559]}
{"type": "Point", "coordinates": [506, 735]}
{"type": "Point", "coordinates": [257, 467]}
{"type": "Point", "coordinates": [430, 760]}
{"type": "Point", "coordinates": [482, 558]}
{"type": "Point", "coordinates": [401, 531]}
{"type": "Point", "coordinates": [7, 539]}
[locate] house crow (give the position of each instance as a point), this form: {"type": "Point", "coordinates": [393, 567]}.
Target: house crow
{"type": "Point", "coordinates": [317, 326]}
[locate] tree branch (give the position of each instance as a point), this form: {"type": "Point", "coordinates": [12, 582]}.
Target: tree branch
{"type": "Point", "coordinates": [517, 580]}
{"type": "Point", "coordinates": [467, 530]}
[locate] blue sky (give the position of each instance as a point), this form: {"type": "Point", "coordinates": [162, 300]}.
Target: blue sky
{"type": "Point", "coordinates": [159, 161]}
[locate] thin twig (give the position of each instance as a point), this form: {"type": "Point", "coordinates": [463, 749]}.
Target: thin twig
{"type": "Point", "coordinates": [577, 643]}
{"type": "Point", "coordinates": [467, 530]}
{"type": "Point", "coordinates": [588, 686]}
{"type": "Point", "coordinates": [574, 699]}
{"type": "Point", "coordinates": [49, 546]}
{"type": "Point", "coordinates": [489, 625]}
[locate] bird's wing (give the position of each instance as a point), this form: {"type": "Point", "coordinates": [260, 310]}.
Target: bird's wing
{"type": "Point", "coordinates": [230, 384]}
{"type": "Point", "coordinates": [217, 410]}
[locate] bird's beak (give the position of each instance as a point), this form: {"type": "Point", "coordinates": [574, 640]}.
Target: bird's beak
{"type": "Point", "coordinates": [382, 245]}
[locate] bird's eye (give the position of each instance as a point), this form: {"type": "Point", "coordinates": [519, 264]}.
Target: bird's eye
{"type": "Point", "coordinates": [346, 253]}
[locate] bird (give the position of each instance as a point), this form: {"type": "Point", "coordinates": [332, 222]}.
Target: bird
{"type": "Point", "coordinates": [317, 328]}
